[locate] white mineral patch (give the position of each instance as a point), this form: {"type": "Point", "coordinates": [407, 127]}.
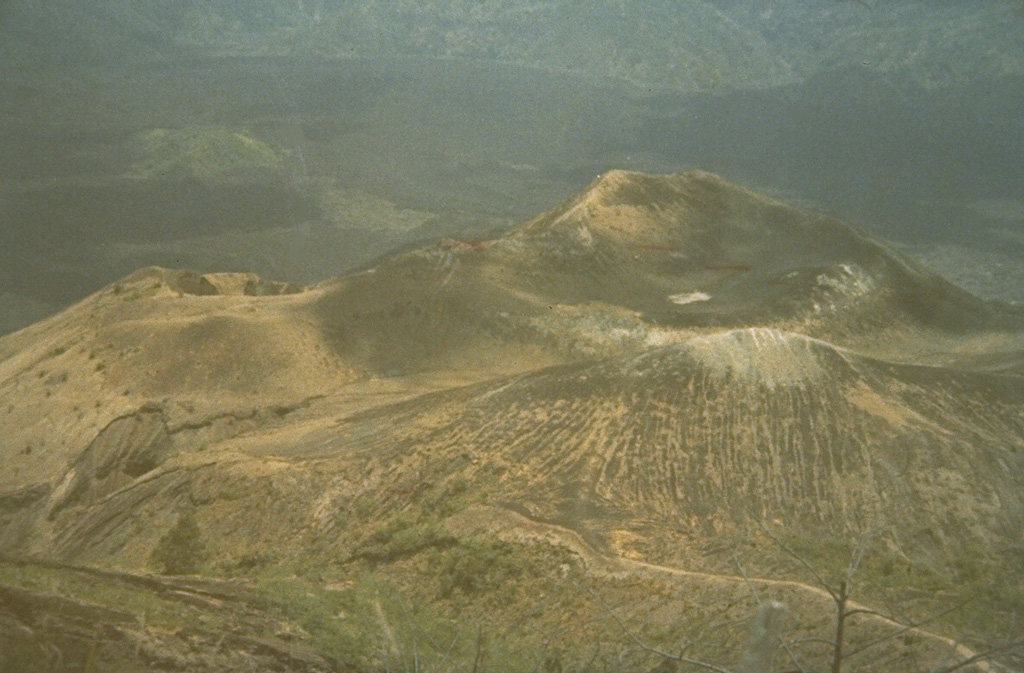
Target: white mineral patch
{"type": "Point", "coordinates": [591, 330]}
{"type": "Point", "coordinates": [838, 289]}
{"type": "Point", "coordinates": [760, 354]}
{"type": "Point", "coordinates": [659, 336]}
{"type": "Point", "coordinates": [688, 297]}
{"type": "Point", "coordinates": [584, 236]}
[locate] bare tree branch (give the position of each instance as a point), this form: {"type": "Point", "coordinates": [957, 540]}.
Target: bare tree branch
{"type": "Point", "coordinates": [626, 630]}
{"type": "Point", "coordinates": [746, 578]}
{"type": "Point", "coordinates": [857, 556]}
{"type": "Point", "coordinates": [909, 627]}
{"type": "Point", "coordinates": [479, 655]}
{"type": "Point", "coordinates": [653, 650]}
{"type": "Point", "coordinates": [837, 651]}
{"type": "Point", "coordinates": [757, 599]}
{"type": "Point", "coordinates": [982, 656]}
{"type": "Point", "coordinates": [868, 611]}
{"type": "Point", "coordinates": [823, 641]}
{"type": "Point", "coordinates": [804, 562]}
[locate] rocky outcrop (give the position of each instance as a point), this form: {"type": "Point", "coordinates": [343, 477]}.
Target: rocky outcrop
{"type": "Point", "coordinates": [129, 447]}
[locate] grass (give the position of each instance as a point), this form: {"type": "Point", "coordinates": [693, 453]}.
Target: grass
{"type": "Point", "coordinates": [418, 528]}
{"type": "Point", "coordinates": [392, 618]}
{"type": "Point", "coordinates": [474, 565]}
{"type": "Point", "coordinates": [23, 653]}
{"type": "Point", "coordinates": [427, 600]}
{"type": "Point", "coordinates": [370, 624]}
{"type": "Point", "coordinates": [992, 595]}
{"type": "Point", "coordinates": [145, 604]}
{"type": "Point", "coordinates": [324, 615]}
{"type": "Point", "coordinates": [204, 153]}
{"type": "Point", "coordinates": [511, 617]}
{"type": "Point", "coordinates": [455, 496]}
{"type": "Point", "coordinates": [413, 596]}
{"type": "Point", "coordinates": [403, 535]}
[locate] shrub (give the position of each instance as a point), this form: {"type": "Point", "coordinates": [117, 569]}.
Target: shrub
{"type": "Point", "coordinates": [474, 565]}
{"type": "Point", "coordinates": [25, 653]}
{"type": "Point", "coordinates": [181, 551]}
{"type": "Point", "coordinates": [403, 536]}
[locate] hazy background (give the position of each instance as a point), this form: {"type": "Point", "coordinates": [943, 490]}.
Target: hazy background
{"type": "Point", "coordinates": [304, 138]}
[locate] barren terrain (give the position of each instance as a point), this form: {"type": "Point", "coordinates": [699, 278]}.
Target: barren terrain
{"type": "Point", "coordinates": [605, 426]}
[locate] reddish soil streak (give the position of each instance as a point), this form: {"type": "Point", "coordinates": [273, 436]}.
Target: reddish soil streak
{"type": "Point", "coordinates": [656, 248]}
{"type": "Point", "coordinates": [727, 267]}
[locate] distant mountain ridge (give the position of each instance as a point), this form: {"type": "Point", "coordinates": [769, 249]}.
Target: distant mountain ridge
{"type": "Point", "coordinates": [686, 46]}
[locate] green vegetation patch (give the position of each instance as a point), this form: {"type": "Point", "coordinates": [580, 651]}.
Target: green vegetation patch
{"type": "Point", "coordinates": [404, 535]}
{"type": "Point", "coordinates": [67, 582]}
{"type": "Point", "coordinates": [182, 550]}
{"type": "Point", "coordinates": [475, 565]}
{"type": "Point", "coordinates": [206, 153]}
{"type": "Point", "coordinates": [368, 624]}
{"type": "Point", "coordinates": [989, 594]}
{"type": "Point", "coordinates": [455, 495]}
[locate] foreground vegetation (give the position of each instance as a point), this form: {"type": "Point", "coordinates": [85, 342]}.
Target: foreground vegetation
{"type": "Point", "coordinates": [414, 596]}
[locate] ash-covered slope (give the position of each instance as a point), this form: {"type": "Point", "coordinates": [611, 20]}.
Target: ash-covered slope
{"type": "Point", "coordinates": [724, 255]}
{"type": "Point", "coordinates": [636, 260]}
{"type": "Point", "coordinates": [700, 433]}
{"type": "Point", "coordinates": [637, 372]}
{"type": "Point", "coordinates": [174, 347]}
{"type": "Point", "coordinates": [632, 262]}
{"type": "Point", "coordinates": [656, 458]}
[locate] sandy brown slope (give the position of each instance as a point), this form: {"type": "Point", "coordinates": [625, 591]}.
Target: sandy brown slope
{"type": "Point", "coordinates": [648, 365]}
{"type": "Point", "coordinates": [637, 260]}
{"type": "Point", "coordinates": [195, 347]}
{"type": "Point", "coordinates": [696, 435]}
{"type": "Point", "coordinates": [701, 433]}
{"type": "Point", "coordinates": [166, 363]}
{"type": "Point", "coordinates": [655, 458]}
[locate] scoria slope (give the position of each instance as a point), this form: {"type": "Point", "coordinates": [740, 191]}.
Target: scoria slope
{"type": "Point", "coordinates": [635, 260]}
{"type": "Point", "coordinates": [632, 381]}
{"type": "Point", "coordinates": [700, 434]}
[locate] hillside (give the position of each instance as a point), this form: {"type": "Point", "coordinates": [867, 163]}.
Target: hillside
{"type": "Point", "coordinates": [584, 431]}
{"type": "Point", "coordinates": [299, 140]}
{"type": "Point", "coordinates": [689, 46]}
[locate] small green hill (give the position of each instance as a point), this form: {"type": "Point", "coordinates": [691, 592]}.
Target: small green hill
{"type": "Point", "coordinates": [206, 153]}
